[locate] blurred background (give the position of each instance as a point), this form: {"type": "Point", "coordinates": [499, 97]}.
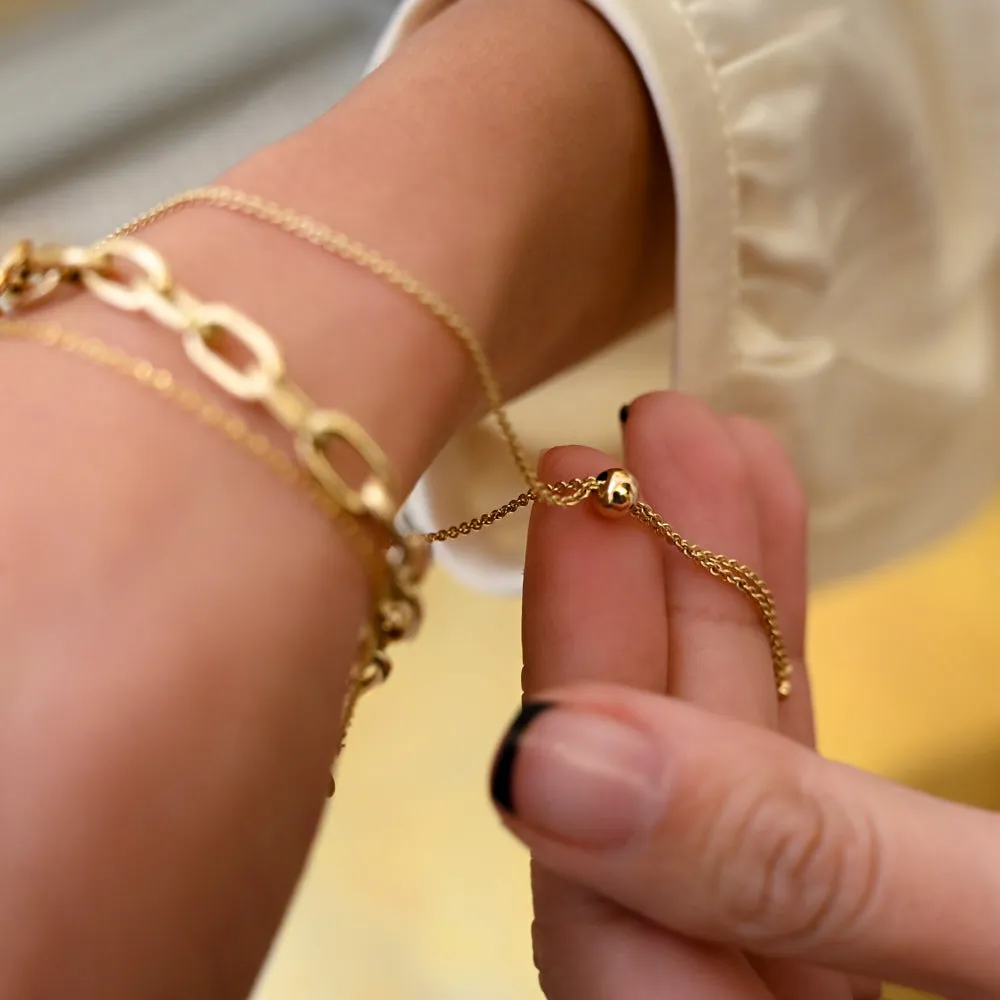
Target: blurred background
{"type": "Point", "coordinates": [414, 892]}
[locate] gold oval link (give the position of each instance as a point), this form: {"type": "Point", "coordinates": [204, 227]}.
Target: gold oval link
{"type": "Point", "coordinates": [288, 404]}
{"type": "Point", "coordinates": [14, 264]}
{"type": "Point", "coordinates": [66, 260]}
{"type": "Point", "coordinates": [38, 289]}
{"type": "Point", "coordinates": [128, 295]}
{"type": "Point", "coordinates": [24, 280]}
{"type": "Point", "coordinates": [408, 558]}
{"type": "Point", "coordinates": [175, 311]}
{"type": "Point", "coordinates": [255, 382]}
{"type": "Point", "coordinates": [374, 498]}
{"type": "Point", "coordinates": [416, 556]}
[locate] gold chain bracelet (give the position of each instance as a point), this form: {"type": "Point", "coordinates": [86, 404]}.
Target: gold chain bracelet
{"type": "Point", "coordinates": [131, 276]}
{"type": "Point", "coordinates": [564, 494]}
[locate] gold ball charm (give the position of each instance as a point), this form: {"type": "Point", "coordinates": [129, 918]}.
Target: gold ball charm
{"type": "Point", "coordinates": [618, 492]}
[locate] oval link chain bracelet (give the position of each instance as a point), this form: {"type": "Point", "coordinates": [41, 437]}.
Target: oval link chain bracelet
{"type": "Point", "coordinates": [132, 277]}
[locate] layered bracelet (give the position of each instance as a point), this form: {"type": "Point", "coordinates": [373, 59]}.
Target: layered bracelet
{"type": "Point", "coordinates": [130, 275]}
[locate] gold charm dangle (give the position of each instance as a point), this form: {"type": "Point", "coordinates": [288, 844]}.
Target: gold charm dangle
{"type": "Point", "coordinates": [617, 492]}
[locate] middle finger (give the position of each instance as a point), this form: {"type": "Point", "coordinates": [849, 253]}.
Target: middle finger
{"type": "Point", "coordinates": [695, 476]}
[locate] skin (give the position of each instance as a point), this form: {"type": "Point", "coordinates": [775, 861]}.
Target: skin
{"type": "Point", "coordinates": [796, 876]}
{"type": "Point", "coordinates": [178, 625]}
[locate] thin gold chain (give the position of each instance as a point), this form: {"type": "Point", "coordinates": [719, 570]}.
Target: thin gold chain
{"type": "Point", "coordinates": [350, 250]}
{"type": "Point", "coordinates": [736, 574]}
{"type": "Point", "coordinates": [565, 494]}
{"type": "Point", "coordinates": [101, 355]}
{"type": "Point", "coordinates": [366, 671]}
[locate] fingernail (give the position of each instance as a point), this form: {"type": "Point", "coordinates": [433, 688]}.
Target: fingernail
{"type": "Point", "coordinates": [579, 776]}
{"type": "Point", "coordinates": [623, 413]}
{"type": "Point", "coordinates": [502, 778]}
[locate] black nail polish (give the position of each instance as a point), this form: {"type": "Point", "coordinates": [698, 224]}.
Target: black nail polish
{"type": "Point", "coordinates": [503, 765]}
{"type": "Point", "coordinates": [623, 413]}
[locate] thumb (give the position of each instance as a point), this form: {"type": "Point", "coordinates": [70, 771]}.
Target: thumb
{"type": "Point", "coordinates": [729, 833]}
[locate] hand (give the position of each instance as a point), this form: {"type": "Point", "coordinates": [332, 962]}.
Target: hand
{"type": "Point", "coordinates": [704, 849]}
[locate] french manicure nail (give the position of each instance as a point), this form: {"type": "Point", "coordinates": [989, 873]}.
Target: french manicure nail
{"type": "Point", "coordinates": [576, 775]}
{"type": "Point", "coordinates": [502, 778]}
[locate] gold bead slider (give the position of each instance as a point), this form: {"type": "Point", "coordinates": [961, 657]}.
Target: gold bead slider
{"type": "Point", "coordinates": [617, 492]}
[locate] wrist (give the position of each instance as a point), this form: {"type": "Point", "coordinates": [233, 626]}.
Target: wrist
{"type": "Point", "coordinates": [507, 156]}
{"type": "Point", "coordinates": [530, 214]}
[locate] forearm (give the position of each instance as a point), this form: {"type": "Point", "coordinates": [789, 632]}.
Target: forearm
{"type": "Point", "coordinates": [507, 155]}
{"type": "Point", "coordinates": [179, 634]}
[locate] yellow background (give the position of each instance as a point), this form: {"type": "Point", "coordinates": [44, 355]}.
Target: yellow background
{"type": "Point", "coordinates": [415, 892]}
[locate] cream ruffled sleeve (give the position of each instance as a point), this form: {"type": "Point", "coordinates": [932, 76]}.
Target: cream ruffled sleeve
{"type": "Point", "coordinates": [837, 168]}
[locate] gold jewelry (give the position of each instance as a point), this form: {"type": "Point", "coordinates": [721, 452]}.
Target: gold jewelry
{"type": "Point", "coordinates": [616, 490]}
{"type": "Point", "coordinates": [96, 352]}
{"type": "Point", "coordinates": [28, 276]}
